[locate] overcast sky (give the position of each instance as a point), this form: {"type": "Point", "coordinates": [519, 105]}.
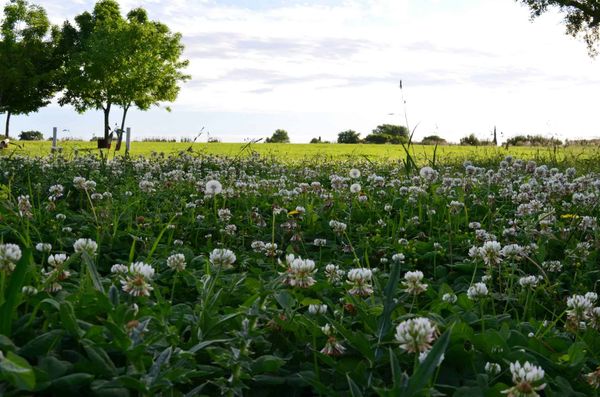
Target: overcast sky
{"type": "Point", "coordinates": [315, 68]}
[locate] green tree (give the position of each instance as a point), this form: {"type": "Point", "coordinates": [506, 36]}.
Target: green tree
{"type": "Point", "coordinates": [388, 133]}
{"type": "Point", "coordinates": [582, 18]}
{"type": "Point", "coordinates": [279, 136]}
{"type": "Point", "coordinates": [433, 140]}
{"type": "Point", "coordinates": [28, 65]}
{"type": "Point", "coordinates": [151, 70]}
{"type": "Point", "coordinates": [92, 54]}
{"type": "Point", "coordinates": [113, 61]}
{"type": "Point", "coordinates": [348, 136]}
{"type": "Point", "coordinates": [31, 136]}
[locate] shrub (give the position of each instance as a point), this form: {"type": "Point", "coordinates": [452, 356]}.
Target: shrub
{"type": "Point", "coordinates": [31, 136]}
{"type": "Point", "coordinates": [433, 140]}
{"type": "Point", "coordinates": [348, 136]}
{"type": "Point", "coordinates": [279, 136]}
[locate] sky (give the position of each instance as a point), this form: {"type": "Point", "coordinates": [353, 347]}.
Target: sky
{"type": "Point", "coordinates": [316, 68]}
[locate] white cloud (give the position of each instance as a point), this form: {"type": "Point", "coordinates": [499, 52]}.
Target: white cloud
{"type": "Point", "coordinates": [465, 66]}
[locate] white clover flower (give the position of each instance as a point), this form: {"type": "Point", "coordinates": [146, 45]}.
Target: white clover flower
{"type": "Point", "coordinates": [492, 368]}
{"type": "Point", "coordinates": [591, 296]}
{"type": "Point", "coordinates": [320, 242]}
{"type": "Point", "coordinates": [85, 245]}
{"type": "Point", "coordinates": [490, 252]}
{"type": "Point", "coordinates": [119, 268]}
{"type": "Point", "coordinates": [512, 251]}
{"type": "Point", "coordinates": [398, 258]}
{"type": "Point", "coordinates": [10, 254]}
{"type": "Point", "coordinates": [477, 290]}
{"type": "Point", "coordinates": [416, 335]}
{"type": "Point", "coordinates": [355, 188]}
{"type": "Point", "coordinates": [221, 257]}
{"type": "Point", "coordinates": [177, 262]}
{"type": "Point", "coordinates": [333, 273]}
{"type": "Point", "coordinates": [137, 280]}
{"type": "Point", "coordinates": [43, 247]}
{"type": "Point", "coordinates": [29, 290]}
{"type": "Point", "coordinates": [354, 173]}
{"type": "Point", "coordinates": [317, 309]}
{"type": "Point", "coordinates": [258, 246]}
{"type": "Point", "coordinates": [578, 306]}
{"type": "Point", "coordinates": [338, 227]}
{"type": "Point", "coordinates": [60, 217]}
{"type": "Point", "coordinates": [146, 186]}
{"type": "Point", "coordinates": [412, 282]}
{"type": "Point", "coordinates": [529, 281]}
{"type": "Point", "coordinates": [213, 187]}
{"type": "Point", "coordinates": [360, 280]}
{"type": "Point", "coordinates": [24, 206]}
{"type": "Point", "coordinates": [449, 298]}
{"type": "Point", "coordinates": [527, 379]}
{"type": "Point", "coordinates": [57, 260]}
{"type": "Point", "coordinates": [428, 173]}
{"type": "Point", "coordinates": [299, 272]}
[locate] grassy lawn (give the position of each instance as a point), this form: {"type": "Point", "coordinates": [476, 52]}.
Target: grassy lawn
{"type": "Point", "coordinates": [300, 152]}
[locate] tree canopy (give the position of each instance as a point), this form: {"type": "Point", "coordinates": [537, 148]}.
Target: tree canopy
{"type": "Point", "coordinates": [582, 18]}
{"type": "Point", "coordinates": [348, 136]}
{"type": "Point", "coordinates": [28, 66]}
{"type": "Point", "coordinates": [111, 60]}
{"type": "Point", "coordinates": [279, 136]}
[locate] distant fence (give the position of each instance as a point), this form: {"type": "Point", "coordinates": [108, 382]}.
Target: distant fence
{"type": "Point", "coordinates": [56, 148]}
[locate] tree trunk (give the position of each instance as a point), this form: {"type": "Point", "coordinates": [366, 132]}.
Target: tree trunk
{"type": "Point", "coordinates": [122, 131]}
{"type": "Point", "coordinates": [125, 109]}
{"type": "Point", "coordinates": [7, 123]}
{"type": "Point", "coordinates": [106, 121]}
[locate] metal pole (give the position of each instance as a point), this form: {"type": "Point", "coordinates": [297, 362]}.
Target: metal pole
{"type": "Point", "coordinates": [54, 133]}
{"type": "Point", "coordinates": [128, 140]}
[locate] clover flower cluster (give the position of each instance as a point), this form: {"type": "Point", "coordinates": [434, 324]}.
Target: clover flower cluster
{"type": "Point", "coordinates": [299, 272]}
{"type": "Point", "coordinates": [412, 282]}
{"type": "Point", "coordinates": [10, 254]}
{"type": "Point", "coordinates": [360, 280]}
{"type": "Point", "coordinates": [222, 258]}
{"type": "Point", "coordinates": [527, 379]}
{"type": "Point", "coordinates": [416, 334]}
{"type": "Point", "coordinates": [136, 278]}
{"type": "Point", "coordinates": [581, 311]}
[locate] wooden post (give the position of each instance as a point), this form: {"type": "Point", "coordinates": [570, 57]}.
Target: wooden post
{"type": "Point", "coordinates": [127, 140]}
{"type": "Point", "coordinates": [54, 134]}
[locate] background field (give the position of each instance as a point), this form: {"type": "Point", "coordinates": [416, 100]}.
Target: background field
{"type": "Point", "coordinates": [583, 157]}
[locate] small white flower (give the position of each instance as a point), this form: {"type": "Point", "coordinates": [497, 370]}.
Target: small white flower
{"type": "Point", "coordinates": [354, 173]}
{"type": "Point", "coordinates": [527, 379]}
{"type": "Point", "coordinates": [10, 254]}
{"type": "Point", "coordinates": [412, 282]}
{"type": "Point", "coordinates": [449, 298]}
{"type": "Point", "coordinates": [317, 309]}
{"type": "Point", "coordinates": [43, 247]}
{"type": "Point", "coordinates": [355, 188]}
{"type": "Point", "coordinates": [492, 368]}
{"type": "Point", "coordinates": [360, 280]}
{"type": "Point", "coordinates": [416, 334]}
{"type": "Point", "coordinates": [86, 245]}
{"type": "Point", "coordinates": [57, 260]}
{"type": "Point", "coordinates": [477, 290]}
{"type": "Point", "coordinates": [213, 187]}
{"type": "Point", "coordinates": [176, 262]}
{"type": "Point", "coordinates": [221, 257]}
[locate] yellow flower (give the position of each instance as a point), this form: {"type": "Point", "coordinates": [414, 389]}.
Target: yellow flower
{"type": "Point", "coordinates": [569, 216]}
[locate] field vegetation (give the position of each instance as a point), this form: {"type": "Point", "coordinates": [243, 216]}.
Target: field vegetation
{"type": "Point", "coordinates": [195, 274]}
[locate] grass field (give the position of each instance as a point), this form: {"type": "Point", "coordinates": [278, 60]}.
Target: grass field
{"type": "Point", "coordinates": [298, 152]}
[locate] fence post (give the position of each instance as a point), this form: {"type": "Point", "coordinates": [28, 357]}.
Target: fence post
{"type": "Point", "coordinates": [127, 140]}
{"type": "Point", "coordinates": [54, 133]}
